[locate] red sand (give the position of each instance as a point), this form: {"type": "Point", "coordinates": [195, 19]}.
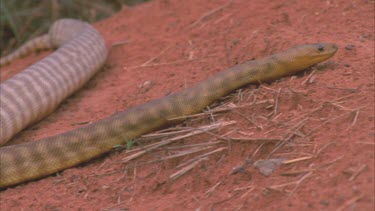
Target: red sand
{"type": "Point", "coordinates": [337, 140]}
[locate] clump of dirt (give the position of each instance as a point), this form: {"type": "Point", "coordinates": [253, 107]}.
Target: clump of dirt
{"type": "Point", "coordinates": [313, 133]}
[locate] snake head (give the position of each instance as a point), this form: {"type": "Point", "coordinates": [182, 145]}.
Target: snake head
{"type": "Point", "coordinates": [303, 56]}
{"type": "Point", "coordinates": [320, 51]}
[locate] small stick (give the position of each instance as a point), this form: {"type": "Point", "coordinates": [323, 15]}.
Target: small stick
{"type": "Point", "coordinates": [276, 105]}
{"type": "Point", "coordinates": [329, 163]}
{"type": "Point", "coordinates": [278, 146]}
{"type": "Point", "coordinates": [304, 115]}
{"type": "Point", "coordinates": [327, 121]}
{"type": "Point", "coordinates": [196, 145]}
{"type": "Point", "coordinates": [223, 18]}
{"type": "Point", "coordinates": [101, 166]}
{"type": "Point", "coordinates": [155, 57]}
{"type": "Point", "coordinates": [202, 156]}
{"type": "Point", "coordinates": [160, 64]}
{"type": "Point", "coordinates": [244, 188]}
{"type": "Point", "coordinates": [300, 181]}
{"type": "Point", "coordinates": [355, 118]}
{"type": "Point", "coordinates": [184, 170]}
{"type": "Point", "coordinates": [349, 202]}
{"type": "Point", "coordinates": [267, 88]}
{"type": "Point", "coordinates": [115, 44]}
{"type": "Point", "coordinates": [256, 139]}
{"type": "Point", "coordinates": [360, 170]}
{"type": "Point", "coordinates": [248, 119]}
{"type": "Point", "coordinates": [245, 194]}
{"type": "Point", "coordinates": [319, 107]}
{"type": "Point", "coordinates": [215, 110]}
{"type": "Point", "coordinates": [168, 141]}
{"type": "Point", "coordinates": [210, 13]}
{"type": "Point", "coordinates": [161, 134]}
{"type": "Point", "coordinates": [297, 160]}
{"type": "Point", "coordinates": [211, 114]}
{"type": "Point", "coordinates": [180, 154]}
{"type": "Point", "coordinates": [276, 116]}
{"type": "Point", "coordinates": [364, 142]}
{"type": "Point", "coordinates": [135, 173]}
{"type": "Point", "coordinates": [297, 183]}
{"type": "Point", "coordinates": [293, 130]}
{"type": "Point", "coordinates": [310, 170]}
{"type": "Point", "coordinates": [308, 78]}
{"type": "Point", "coordinates": [257, 149]}
{"type": "Point", "coordinates": [212, 189]}
{"type": "Point", "coordinates": [302, 171]}
{"type": "Point", "coordinates": [246, 134]}
{"type": "Point", "coordinates": [324, 147]}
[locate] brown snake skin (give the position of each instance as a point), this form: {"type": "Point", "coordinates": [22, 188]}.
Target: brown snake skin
{"type": "Point", "coordinates": [24, 162]}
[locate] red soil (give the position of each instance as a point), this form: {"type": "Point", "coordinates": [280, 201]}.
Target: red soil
{"type": "Point", "coordinates": [329, 111]}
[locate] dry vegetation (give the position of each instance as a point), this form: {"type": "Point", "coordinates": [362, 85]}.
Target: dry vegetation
{"type": "Point", "coordinates": [22, 20]}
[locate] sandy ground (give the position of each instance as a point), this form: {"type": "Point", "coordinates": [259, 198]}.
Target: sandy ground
{"type": "Point", "coordinates": [320, 122]}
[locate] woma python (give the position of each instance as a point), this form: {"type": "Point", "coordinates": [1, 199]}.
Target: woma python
{"type": "Point", "coordinates": [33, 93]}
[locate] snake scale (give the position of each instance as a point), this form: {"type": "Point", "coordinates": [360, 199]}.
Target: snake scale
{"type": "Point", "coordinates": [80, 54]}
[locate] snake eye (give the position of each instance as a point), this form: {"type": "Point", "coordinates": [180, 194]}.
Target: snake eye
{"type": "Point", "coordinates": [320, 48]}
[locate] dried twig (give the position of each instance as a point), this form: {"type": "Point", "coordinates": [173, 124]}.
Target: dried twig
{"type": "Point", "coordinates": [323, 148]}
{"type": "Point", "coordinates": [256, 139]}
{"type": "Point", "coordinates": [247, 192]}
{"type": "Point", "coordinates": [115, 44]}
{"type": "Point", "coordinates": [222, 108]}
{"type": "Point", "coordinates": [212, 189]}
{"type": "Point", "coordinates": [155, 57]}
{"type": "Point", "coordinates": [184, 170]}
{"type": "Point", "coordinates": [205, 144]}
{"type": "Point", "coordinates": [181, 154]}
{"type": "Point", "coordinates": [330, 120]}
{"type": "Point", "coordinates": [250, 120]}
{"type": "Point", "coordinates": [257, 149]}
{"type": "Point", "coordinates": [296, 172]}
{"type": "Point", "coordinates": [200, 130]}
{"type": "Point", "coordinates": [202, 156]}
{"type": "Point", "coordinates": [210, 13]}
{"type": "Point", "coordinates": [160, 64]}
{"type": "Point", "coordinates": [308, 78]}
{"type": "Point", "coordinates": [350, 202]}
{"type": "Point", "coordinates": [330, 162]}
{"type": "Point", "coordinates": [355, 118]}
{"type": "Point", "coordinates": [297, 160]}
{"type": "Point", "coordinates": [356, 173]}
{"type": "Point", "coordinates": [296, 183]}
{"type": "Point", "coordinates": [276, 104]}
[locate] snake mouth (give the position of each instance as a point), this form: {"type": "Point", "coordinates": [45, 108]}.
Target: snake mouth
{"type": "Point", "coordinates": [325, 50]}
{"type": "Point", "coordinates": [332, 48]}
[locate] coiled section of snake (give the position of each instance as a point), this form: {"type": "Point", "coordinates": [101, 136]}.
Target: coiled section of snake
{"type": "Point", "coordinates": [39, 89]}
{"type": "Point", "coordinates": [40, 158]}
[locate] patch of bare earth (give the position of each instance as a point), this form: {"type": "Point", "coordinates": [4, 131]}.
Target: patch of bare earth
{"type": "Point", "coordinates": [314, 130]}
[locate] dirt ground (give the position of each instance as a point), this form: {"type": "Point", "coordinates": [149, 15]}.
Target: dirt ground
{"type": "Point", "coordinates": [319, 123]}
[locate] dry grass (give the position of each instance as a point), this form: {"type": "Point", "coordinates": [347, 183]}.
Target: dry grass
{"type": "Point", "coordinates": [23, 20]}
{"type": "Point", "coordinates": [295, 133]}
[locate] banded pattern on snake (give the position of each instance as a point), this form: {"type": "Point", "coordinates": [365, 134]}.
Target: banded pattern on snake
{"type": "Point", "coordinates": [20, 163]}
{"type": "Point", "coordinates": [39, 89]}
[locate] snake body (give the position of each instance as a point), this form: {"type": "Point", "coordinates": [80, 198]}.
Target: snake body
{"type": "Point", "coordinates": [24, 162]}
{"type": "Point", "coordinates": [39, 89]}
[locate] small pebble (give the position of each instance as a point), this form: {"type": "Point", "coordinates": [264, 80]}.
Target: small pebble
{"type": "Point", "coordinates": [324, 203]}
{"type": "Point", "coordinates": [349, 47]}
{"type": "Point", "coordinates": [347, 65]}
